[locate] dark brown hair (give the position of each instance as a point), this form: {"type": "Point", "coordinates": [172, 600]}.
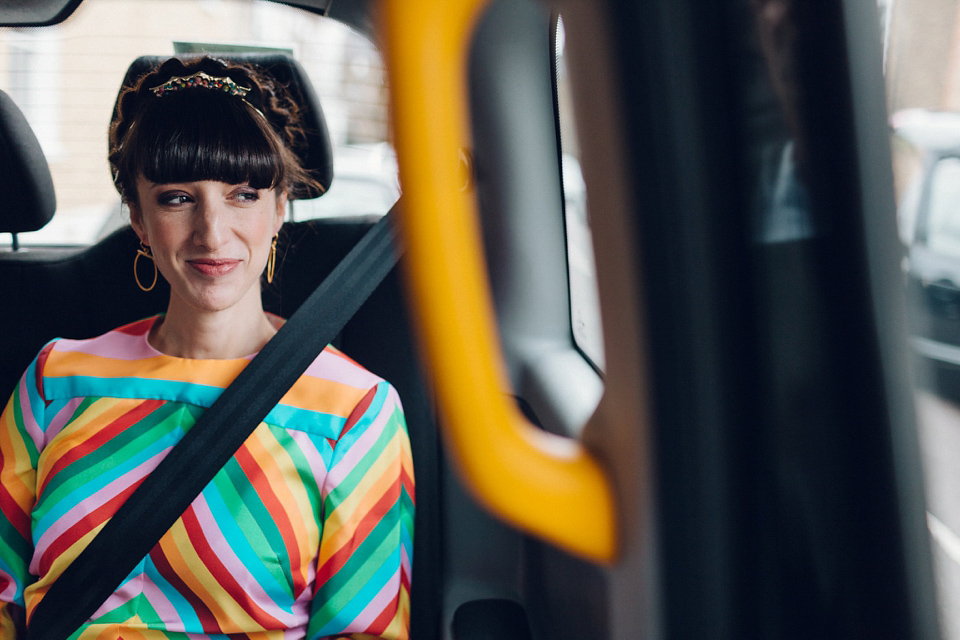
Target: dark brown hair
{"type": "Point", "coordinates": [206, 134]}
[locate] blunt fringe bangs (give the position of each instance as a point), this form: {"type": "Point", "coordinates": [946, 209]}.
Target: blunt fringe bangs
{"type": "Point", "coordinates": [203, 135]}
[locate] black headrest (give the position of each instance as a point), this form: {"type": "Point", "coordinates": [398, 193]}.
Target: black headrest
{"type": "Point", "coordinates": [25, 178]}
{"type": "Point", "coordinates": [317, 157]}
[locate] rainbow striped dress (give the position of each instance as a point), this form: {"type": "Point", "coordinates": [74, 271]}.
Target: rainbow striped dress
{"type": "Point", "coordinates": [306, 532]}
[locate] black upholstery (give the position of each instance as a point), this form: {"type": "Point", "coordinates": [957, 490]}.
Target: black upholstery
{"type": "Point", "coordinates": [85, 293]}
{"type": "Point", "coordinates": [317, 157]}
{"type": "Point", "coordinates": [29, 200]}
{"type": "Point", "coordinates": [490, 619]}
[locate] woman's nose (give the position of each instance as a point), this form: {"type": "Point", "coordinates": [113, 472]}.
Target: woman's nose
{"type": "Point", "coordinates": [208, 225]}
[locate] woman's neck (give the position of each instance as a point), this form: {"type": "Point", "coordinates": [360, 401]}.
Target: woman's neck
{"type": "Point", "coordinates": [186, 333]}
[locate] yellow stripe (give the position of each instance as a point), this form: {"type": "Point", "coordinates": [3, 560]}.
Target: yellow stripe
{"type": "Point", "coordinates": [182, 556]}
{"type": "Point", "coordinates": [343, 521]}
{"type": "Point", "coordinates": [99, 413]}
{"type": "Point", "coordinates": [290, 491]}
{"type": "Point", "coordinates": [18, 477]}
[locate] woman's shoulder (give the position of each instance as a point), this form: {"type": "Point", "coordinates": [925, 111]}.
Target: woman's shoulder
{"type": "Point", "coordinates": [127, 342]}
{"type": "Point", "coordinates": [333, 365]}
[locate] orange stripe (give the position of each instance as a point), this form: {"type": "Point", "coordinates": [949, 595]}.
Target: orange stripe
{"type": "Point", "coordinates": [274, 504]}
{"type": "Point", "coordinates": [348, 515]}
{"type": "Point", "coordinates": [310, 393]}
{"type": "Point", "coordinates": [224, 578]}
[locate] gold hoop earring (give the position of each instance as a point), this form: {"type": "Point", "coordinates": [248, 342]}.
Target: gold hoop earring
{"type": "Point", "coordinates": [272, 260]}
{"type": "Point", "coordinates": [144, 250]}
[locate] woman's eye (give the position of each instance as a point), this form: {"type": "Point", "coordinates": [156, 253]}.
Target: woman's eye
{"type": "Point", "coordinates": [247, 195]}
{"type": "Point", "coordinates": [173, 198]}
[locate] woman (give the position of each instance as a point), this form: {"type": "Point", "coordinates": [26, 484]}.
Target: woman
{"type": "Point", "coordinates": [306, 532]}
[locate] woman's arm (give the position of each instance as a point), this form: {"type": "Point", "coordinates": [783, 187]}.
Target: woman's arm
{"type": "Point", "coordinates": [363, 570]}
{"type": "Point", "coordinates": [20, 441]}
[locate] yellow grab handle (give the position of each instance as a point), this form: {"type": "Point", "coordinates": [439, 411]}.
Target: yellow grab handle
{"type": "Point", "coordinates": [544, 484]}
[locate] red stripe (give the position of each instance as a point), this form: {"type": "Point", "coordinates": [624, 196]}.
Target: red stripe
{"type": "Point", "coordinates": [382, 621]}
{"type": "Point", "coordinates": [14, 513]}
{"type": "Point", "coordinates": [278, 513]}
{"type": "Point", "coordinates": [102, 436]}
{"type": "Point", "coordinates": [407, 481]}
{"type": "Point", "coordinates": [220, 573]}
{"type": "Point", "coordinates": [207, 620]}
{"type": "Point", "coordinates": [358, 411]}
{"type": "Point", "coordinates": [137, 328]}
{"type": "Point", "coordinates": [90, 521]}
{"type": "Point", "coordinates": [41, 364]}
{"type": "Point", "coordinates": [370, 520]}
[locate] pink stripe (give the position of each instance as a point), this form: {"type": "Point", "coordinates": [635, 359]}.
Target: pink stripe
{"type": "Point", "coordinates": [361, 447]}
{"type": "Point", "coordinates": [330, 366]}
{"type": "Point", "coordinates": [384, 598]}
{"type": "Point", "coordinates": [11, 589]}
{"type": "Point", "coordinates": [296, 633]}
{"type": "Point", "coordinates": [318, 468]}
{"type": "Point", "coordinates": [29, 420]}
{"type": "Point", "coordinates": [91, 503]}
{"type": "Point", "coordinates": [115, 344]}
{"type": "Point", "coordinates": [210, 530]}
{"type": "Point", "coordinates": [127, 592]}
{"type": "Point", "coordinates": [162, 605]}
{"type": "Point", "coordinates": [59, 421]}
{"type": "Point", "coordinates": [405, 561]}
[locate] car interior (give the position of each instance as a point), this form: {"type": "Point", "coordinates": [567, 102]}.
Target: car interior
{"type": "Point", "coordinates": [748, 433]}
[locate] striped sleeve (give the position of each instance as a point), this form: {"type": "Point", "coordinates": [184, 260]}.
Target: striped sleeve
{"type": "Point", "coordinates": [363, 567]}
{"type": "Point", "coordinates": [21, 437]}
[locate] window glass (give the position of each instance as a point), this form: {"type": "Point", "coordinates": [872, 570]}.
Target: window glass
{"type": "Point", "coordinates": [584, 301]}
{"type": "Point", "coordinates": [922, 68]}
{"type": "Point", "coordinates": [66, 78]}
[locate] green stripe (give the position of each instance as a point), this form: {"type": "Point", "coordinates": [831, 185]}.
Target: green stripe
{"type": "Point", "coordinates": [252, 520]}
{"type": "Point", "coordinates": [359, 471]}
{"type": "Point", "coordinates": [304, 472]}
{"type": "Point", "coordinates": [95, 468]}
{"type": "Point", "coordinates": [21, 428]}
{"type": "Point", "coordinates": [365, 561]}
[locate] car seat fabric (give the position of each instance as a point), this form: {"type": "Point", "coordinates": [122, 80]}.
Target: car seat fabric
{"type": "Point", "coordinates": [29, 200]}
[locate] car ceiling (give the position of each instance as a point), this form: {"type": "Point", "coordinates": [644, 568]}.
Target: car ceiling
{"type": "Point", "coordinates": [26, 13]}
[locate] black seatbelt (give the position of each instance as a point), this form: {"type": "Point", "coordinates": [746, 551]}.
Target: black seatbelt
{"type": "Point", "coordinates": [180, 477]}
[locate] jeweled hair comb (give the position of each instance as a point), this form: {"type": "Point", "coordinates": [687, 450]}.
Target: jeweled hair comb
{"type": "Point", "coordinates": [201, 80]}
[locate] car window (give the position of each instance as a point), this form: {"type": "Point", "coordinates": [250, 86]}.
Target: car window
{"type": "Point", "coordinates": [65, 79]}
{"type": "Point", "coordinates": [584, 300]}
{"type": "Point", "coordinates": [923, 97]}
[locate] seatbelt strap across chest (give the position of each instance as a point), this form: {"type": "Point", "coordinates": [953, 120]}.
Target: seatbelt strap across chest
{"type": "Point", "coordinates": [180, 477]}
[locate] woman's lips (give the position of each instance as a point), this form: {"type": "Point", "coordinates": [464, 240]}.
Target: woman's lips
{"type": "Point", "coordinates": [212, 267]}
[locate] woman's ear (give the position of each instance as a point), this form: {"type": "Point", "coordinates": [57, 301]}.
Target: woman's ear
{"type": "Point", "coordinates": [136, 221]}
{"type": "Point", "coordinates": [281, 212]}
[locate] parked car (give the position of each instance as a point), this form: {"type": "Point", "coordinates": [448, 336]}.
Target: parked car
{"type": "Point", "coordinates": [929, 226]}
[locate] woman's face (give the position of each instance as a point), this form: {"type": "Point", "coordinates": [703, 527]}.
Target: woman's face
{"type": "Point", "coordinates": [209, 239]}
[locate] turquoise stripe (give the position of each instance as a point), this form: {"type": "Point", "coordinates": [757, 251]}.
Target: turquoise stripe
{"type": "Point", "coordinates": [314, 422]}
{"type": "Point", "coordinates": [366, 420]}
{"type": "Point", "coordinates": [184, 609]}
{"type": "Point", "coordinates": [136, 388]}
{"type": "Point", "coordinates": [67, 502]}
{"type": "Point", "coordinates": [349, 612]}
{"type": "Point", "coordinates": [280, 593]}
{"type": "Point", "coordinates": [37, 404]}
{"type": "Point", "coordinates": [12, 573]}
